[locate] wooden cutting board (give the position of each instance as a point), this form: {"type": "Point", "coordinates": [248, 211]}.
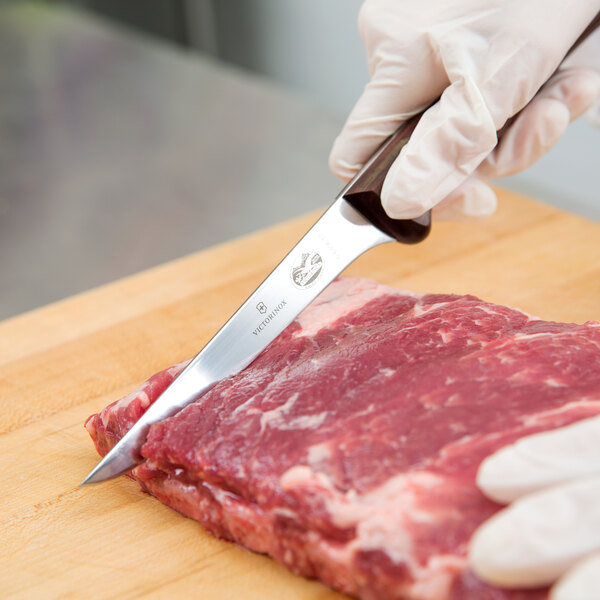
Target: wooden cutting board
{"type": "Point", "coordinates": [65, 361]}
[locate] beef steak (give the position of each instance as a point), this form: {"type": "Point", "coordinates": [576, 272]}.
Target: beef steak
{"type": "Point", "coordinates": [348, 449]}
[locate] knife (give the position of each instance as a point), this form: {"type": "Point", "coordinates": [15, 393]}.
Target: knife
{"type": "Point", "coordinates": [353, 224]}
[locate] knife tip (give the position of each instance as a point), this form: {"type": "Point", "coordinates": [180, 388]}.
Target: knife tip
{"type": "Point", "coordinates": [94, 476]}
{"type": "Point", "coordinates": [118, 461]}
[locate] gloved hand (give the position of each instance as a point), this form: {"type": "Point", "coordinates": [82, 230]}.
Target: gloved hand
{"type": "Point", "coordinates": [487, 60]}
{"type": "Point", "coordinates": [588, 55]}
{"type": "Point", "coordinates": [551, 529]}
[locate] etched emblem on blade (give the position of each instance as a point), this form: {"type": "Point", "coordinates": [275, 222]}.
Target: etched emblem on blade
{"type": "Point", "coordinates": [307, 269]}
{"type": "Point", "coordinates": [261, 308]}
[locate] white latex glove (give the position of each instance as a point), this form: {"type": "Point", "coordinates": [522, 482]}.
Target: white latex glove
{"type": "Point", "coordinates": [588, 55]}
{"type": "Point", "coordinates": [487, 60]}
{"type": "Point", "coordinates": [551, 529]}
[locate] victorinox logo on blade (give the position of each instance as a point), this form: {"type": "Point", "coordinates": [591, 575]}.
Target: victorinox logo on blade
{"type": "Point", "coordinates": [262, 309]}
{"type": "Point", "coordinates": [307, 269]}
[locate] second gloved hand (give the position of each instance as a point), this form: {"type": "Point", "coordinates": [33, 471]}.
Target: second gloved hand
{"type": "Point", "coordinates": [486, 61]}
{"type": "Point", "coordinates": [551, 529]}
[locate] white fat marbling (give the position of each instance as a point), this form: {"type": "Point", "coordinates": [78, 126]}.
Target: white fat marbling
{"type": "Point", "coordinates": [336, 301]}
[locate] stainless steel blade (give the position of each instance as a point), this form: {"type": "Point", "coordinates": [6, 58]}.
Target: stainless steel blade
{"type": "Point", "coordinates": [337, 239]}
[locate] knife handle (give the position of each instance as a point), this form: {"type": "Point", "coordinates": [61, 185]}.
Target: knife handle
{"type": "Point", "coordinates": [364, 191]}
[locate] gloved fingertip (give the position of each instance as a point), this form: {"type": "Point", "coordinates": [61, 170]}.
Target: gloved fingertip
{"type": "Point", "coordinates": [339, 165]}
{"type": "Point", "coordinates": [582, 581]}
{"type": "Point", "coordinates": [489, 557]}
{"type": "Point", "coordinates": [401, 196]}
{"type": "Point", "coordinates": [481, 203]}
{"type": "Point", "coordinates": [507, 551]}
{"type": "Point", "coordinates": [480, 547]}
{"type": "Point", "coordinates": [553, 122]}
{"type": "Point", "coordinates": [577, 88]}
{"type": "Point", "coordinates": [588, 93]}
{"type": "Point", "coordinates": [343, 170]}
{"type": "Point", "coordinates": [540, 536]}
{"type": "Point", "coordinates": [500, 476]}
{"type": "Point", "coordinates": [542, 460]}
{"type": "Point", "coordinates": [473, 200]}
{"type": "Point", "coordinates": [536, 130]}
{"type": "Point", "coordinates": [399, 207]}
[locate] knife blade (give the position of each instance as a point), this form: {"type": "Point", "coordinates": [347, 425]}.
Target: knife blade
{"type": "Point", "coordinates": [353, 224]}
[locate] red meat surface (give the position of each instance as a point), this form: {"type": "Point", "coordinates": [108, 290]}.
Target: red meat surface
{"type": "Point", "coordinates": [348, 449]}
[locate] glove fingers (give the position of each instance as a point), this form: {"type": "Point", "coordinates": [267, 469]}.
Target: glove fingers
{"type": "Point", "coordinates": [405, 79]}
{"type": "Point", "coordinates": [541, 460]}
{"type": "Point", "coordinates": [582, 581]}
{"type": "Point", "coordinates": [588, 55]}
{"type": "Point", "coordinates": [534, 132]}
{"type": "Point", "coordinates": [576, 87]}
{"type": "Point", "coordinates": [470, 201]}
{"type": "Point", "coordinates": [389, 99]}
{"type": "Point", "coordinates": [542, 122]}
{"type": "Point", "coordinates": [537, 538]}
{"type": "Point", "coordinates": [447, 145]}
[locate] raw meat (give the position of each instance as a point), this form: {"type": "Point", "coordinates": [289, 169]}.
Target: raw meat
{"type": "Point", "coordinates": [348, 449]}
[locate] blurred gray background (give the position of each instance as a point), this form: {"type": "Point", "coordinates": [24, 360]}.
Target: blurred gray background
{"type": "Point", "coordinates": [310, 47]}
{"type": "Point", "coordinates": [132, 133]}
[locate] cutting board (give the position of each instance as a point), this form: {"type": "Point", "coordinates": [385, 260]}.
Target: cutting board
{"type": "Point", "coordinates": [65, 361]}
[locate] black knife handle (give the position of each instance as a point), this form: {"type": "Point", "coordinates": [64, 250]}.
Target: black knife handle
{"type": "Point", "coordinates": [364, 191]}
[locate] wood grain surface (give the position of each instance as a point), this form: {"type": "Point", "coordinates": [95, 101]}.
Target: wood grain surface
{"type": "Point", "coordinates": [65, 361]}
